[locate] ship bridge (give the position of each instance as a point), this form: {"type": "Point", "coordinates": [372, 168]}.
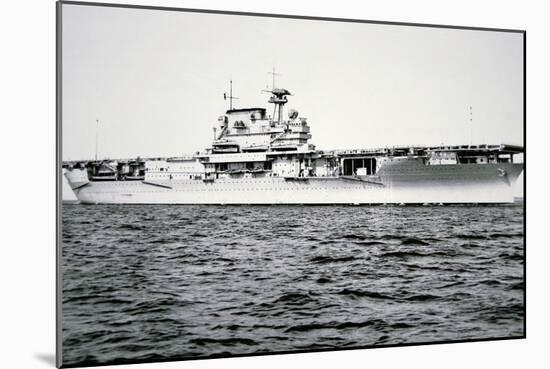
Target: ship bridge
{"type": "Point", "coordinates": [252, 130]}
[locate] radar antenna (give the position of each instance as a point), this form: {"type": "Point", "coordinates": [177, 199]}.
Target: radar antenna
{"type": "Point", "coordinates": [230, 97]}
{"type": "Point", "coordinates": [278, 98]}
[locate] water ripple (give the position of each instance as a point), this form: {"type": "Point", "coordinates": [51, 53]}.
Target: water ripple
{"type": "Point", "coordinates": [175, 282]}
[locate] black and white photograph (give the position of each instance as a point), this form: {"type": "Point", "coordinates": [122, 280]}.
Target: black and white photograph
{"type": "Point", "coordinates": [235, 184]}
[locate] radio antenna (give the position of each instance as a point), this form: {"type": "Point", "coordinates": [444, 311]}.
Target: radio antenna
{"type": "Point", "coordinates": [471, 126]}
{"type": "Point", "coordinates": [96, 136]}
{"type": "Point", "coordinates": [273, 74]}
{"type": "Point", "coordinates": [231, 97]}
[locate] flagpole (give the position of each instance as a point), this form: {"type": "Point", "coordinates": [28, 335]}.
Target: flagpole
{"type": "Point", "coordinates": [471, 127]}
{"type": "Point", "coordinates": [96, 136]}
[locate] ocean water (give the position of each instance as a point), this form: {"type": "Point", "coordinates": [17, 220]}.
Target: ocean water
{"type": "Point", "coordinates": [156, 282]}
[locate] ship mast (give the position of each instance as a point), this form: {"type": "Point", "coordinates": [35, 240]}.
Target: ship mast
{"type": "Point", "coordinates": [96, 136]}
{"type": "Point", "coordinates": [273, 74]}
{"type": "Point", "coordinates": [231, 97]}
{"type": "Point", "coordinates": [471, 126]}
{"type": "Point", "coordinates": [278, 98]}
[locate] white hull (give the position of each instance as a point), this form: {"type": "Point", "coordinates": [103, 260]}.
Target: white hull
{"type": "Point", "coordinates": [400, 183]}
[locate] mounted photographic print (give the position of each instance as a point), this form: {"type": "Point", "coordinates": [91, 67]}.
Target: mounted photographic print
{"type": "Point", "coordinates": [236, 184]}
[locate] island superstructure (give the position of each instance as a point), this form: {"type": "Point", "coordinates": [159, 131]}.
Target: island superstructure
{"type": "Point", "coordinates": [256, 158]}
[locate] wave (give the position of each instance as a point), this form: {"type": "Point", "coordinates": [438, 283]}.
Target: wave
{"type": "Point", "coordinates": [290, 299]}
{"type": "Point", "coordinates": [223, 341]}
{"type": "Point", "coordinates": [353, 236]}
{"type": "Point", "coordinates": [414, 241]}
{"type": "Point", "coordinates": [488, 236]}
{"type": "Point", "coordinates": [329, 259]}
{"type": "Point", "coordinates": [87, 299]}
{"type": "Point", "coordinates": [517, 286]}
{"type": "Point", "coordinates": [422, 297]}
{"type": "Point", "coordinates": [132, 227]}
{"type": "Point", "coordinates": [369, 243]}
{"type": "Point", "coordinates": [515, 257]}
{"type": "Point", "coordinates": [323, 280]}
{"type": "Point", "coordinates": [471, 236]}
{"type": "Point", "coordinates": [332, 325]}
{"type": "Point", "coordinates": [403, 254]}
{"type": "Point", "coordinates": [376, 323]}
{"type": "Point", "coordinates": [365, 277]}
{"type": "Point", "coordinates": [362, 293]}
{"type": "Point", "coordinates": [232, 327]}
{"type": "Point", "coordinates": [505, 235]}
{"type": "Point", "coordinates": [407, 254]}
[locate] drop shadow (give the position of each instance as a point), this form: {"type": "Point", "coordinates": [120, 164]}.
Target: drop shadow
{"type": "Point", "coordinates": [46, 358]}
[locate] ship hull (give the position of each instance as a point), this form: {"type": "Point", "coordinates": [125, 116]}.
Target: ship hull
{"type": "Point", "coordinates": [409, 182]}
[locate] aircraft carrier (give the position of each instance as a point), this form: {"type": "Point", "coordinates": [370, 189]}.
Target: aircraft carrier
{"type": "Point", "coordinates": [256, 158]}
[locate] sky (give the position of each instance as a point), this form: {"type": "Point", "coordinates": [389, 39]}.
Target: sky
{"type": "Point", "coordinates": [155, 80]}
